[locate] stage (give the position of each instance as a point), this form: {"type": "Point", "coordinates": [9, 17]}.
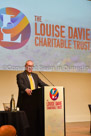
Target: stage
{"type": "Point", "coordinates": [78, 129]}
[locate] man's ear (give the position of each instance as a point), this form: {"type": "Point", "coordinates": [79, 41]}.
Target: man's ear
{"type": "Point", "coordinates": [25, 68]}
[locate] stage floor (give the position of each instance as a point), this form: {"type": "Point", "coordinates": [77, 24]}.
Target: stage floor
{"type": "Point", "coordinates": [78, 129]}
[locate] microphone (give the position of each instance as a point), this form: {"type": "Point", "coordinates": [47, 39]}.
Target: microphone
{"type": "Point", "coordinates": [46, 78]}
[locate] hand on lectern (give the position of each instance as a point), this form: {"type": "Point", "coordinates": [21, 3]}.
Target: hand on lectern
{"type": "Point", "coordinates": [28, 91]}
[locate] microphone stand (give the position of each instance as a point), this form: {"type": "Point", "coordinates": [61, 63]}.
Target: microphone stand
{"type": "Point", "coordinates": [46, 78]}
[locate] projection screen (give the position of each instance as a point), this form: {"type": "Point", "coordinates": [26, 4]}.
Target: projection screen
{"type": "Point", "coordinates": [56, 35]}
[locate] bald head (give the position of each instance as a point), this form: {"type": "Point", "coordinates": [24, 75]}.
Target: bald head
{"type": "Point", "coordinates": [29, 62]}
{"type": "Point", "coordinates": [29, 66]}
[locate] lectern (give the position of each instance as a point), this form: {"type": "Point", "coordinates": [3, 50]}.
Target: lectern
{"type": "Point", "coordinates": [54, 111]}
{"type": "Point", "coordinates": [46, 111]}
{"type": "Point", "coordinates": [90, 116]}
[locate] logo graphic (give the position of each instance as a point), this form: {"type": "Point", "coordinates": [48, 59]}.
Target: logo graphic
{"type": "Point", "coordinates": [14, 28]}
{"type": "Point", "coordinates": [54, 94]}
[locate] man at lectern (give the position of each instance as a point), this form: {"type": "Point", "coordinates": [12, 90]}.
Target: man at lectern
{"type": "Point", "coordinates": [27, 81]}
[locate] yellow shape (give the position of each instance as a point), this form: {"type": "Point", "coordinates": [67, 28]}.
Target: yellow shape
{"type": "Point", "coordinates": [31, 82]}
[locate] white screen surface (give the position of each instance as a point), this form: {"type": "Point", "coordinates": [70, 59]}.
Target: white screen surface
{"type": "Point", "coordinates": [56, 35]}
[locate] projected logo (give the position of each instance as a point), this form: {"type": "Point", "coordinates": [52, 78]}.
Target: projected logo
{"type": "Point", "coordinates": [14, 28]}
{"type": "Point", "coordinates": [54, 94]}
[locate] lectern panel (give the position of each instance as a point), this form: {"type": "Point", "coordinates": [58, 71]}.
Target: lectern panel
{"type": "Point", "coordinates": [54, 108]}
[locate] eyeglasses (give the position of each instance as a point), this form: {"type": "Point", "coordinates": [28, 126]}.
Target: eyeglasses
{"type": "Point", "coordinates": [29, 66]}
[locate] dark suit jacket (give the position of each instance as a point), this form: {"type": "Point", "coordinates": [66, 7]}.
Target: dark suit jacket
{"type": "Point", "coordinates": [23, 83]}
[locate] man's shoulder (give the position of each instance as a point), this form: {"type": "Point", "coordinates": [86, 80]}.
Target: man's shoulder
{"type": "Point", "coordinates": [24, 74]}
{"type": "Point", "coordinates": [34, 74]}
{"type": "Point", "coordinates": [21, 74]}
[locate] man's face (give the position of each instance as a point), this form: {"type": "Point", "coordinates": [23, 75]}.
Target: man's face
{"type": "Point", "coordinates": [29, 66]}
